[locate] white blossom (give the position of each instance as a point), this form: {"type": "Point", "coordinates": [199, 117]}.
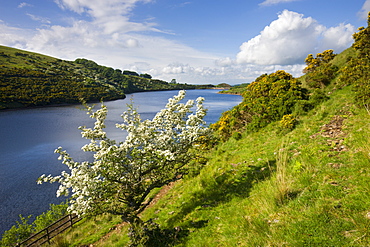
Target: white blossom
{"type": "Point", "coordinates": [154, 152]}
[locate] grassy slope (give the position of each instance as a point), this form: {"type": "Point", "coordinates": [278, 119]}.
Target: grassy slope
{"type": "Point", "coordinates": [308, 187]}
{"type": "Point", "coordinates": [9, 59]}
{"type": "Point", "coordinates": [269, 190]}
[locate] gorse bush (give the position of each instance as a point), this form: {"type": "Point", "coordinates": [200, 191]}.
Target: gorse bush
{"type": "Point", "coordinates": [319, 71]}
{"type": "Point", "coordinates": [288, 122]}
{"type": "Point", "coordinates": [357, 71]}
{"type": "Point", "coordinates": [272, 97]}
{"type": "Point", "coordinates": [265, 100]}
{"type": "Point", "coordinates": [321, 58]}
{"type": "Point", "coordinates": [322, 76]}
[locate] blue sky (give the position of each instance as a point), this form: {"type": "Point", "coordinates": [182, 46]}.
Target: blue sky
{"type": "Point", "coordinates": [196, 42]}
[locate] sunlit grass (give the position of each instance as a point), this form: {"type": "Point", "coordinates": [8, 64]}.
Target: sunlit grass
{"type": "Point", "coordinates": [88, 231]}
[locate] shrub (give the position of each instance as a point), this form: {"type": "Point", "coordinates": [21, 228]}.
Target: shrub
{"type": "Point", "coordinates": [322, 76]}
{"type": "Point", "coordinates": [151, 235]}
{"type": "Point", "coordinates": [23, 229]}
{"type": "Point", "coordinates": [321, 58]}
{"type": "Point", "coordinates": [357, 70]}
{"type": "Point", "coordinates": [319, 72]}
{"type": "Point", "coordinates": [302, 107]}
{"type": "Point", "coordinates": [265, 100]}
{"type": "Point", "coordinates": [50, 216]}
{"type": "Point", "coordinates": [288, 122]}
{"type": "Point", "coordinates": [19, 232]}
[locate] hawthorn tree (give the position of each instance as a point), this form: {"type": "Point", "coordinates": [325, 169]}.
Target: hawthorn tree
{"type": "Point", "coordinates": [155, 153]}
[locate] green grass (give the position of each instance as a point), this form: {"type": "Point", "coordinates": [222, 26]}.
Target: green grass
{"type": "Point", "coordinates": [87, 231]}
{"type": "Point", "coordinates": [341, 59]}
{"type": "Point", "coordinates": [238, 89]}
{"type": "Point", "coordinates": [275, 189]}
{"type": "Point", "coordinates": [24, 59]}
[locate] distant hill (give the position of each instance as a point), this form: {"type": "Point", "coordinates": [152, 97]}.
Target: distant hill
{"type": "Point", "coordinates": [32, 79]}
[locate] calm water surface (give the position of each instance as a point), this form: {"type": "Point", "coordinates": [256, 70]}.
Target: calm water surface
{"type": "Point", "coordinates": [29, 137]}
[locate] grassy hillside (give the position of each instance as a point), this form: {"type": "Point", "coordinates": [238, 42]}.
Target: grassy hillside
{"type": "Point", "coordinates": [31, 79]}
{"type": "Point", "coordinates": [308, 187]}
{"type": "Point", "coordinates": [305, 186]}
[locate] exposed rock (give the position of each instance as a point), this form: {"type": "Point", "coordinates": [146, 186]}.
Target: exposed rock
{"type": "Point", "coordinates": [333, 130]}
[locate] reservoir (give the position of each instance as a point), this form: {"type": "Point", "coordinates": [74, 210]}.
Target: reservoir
{"type": "Point", "coordinates": [28, 138]}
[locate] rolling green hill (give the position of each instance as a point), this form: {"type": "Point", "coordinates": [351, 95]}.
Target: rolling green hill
{"type": "Point", "coordinates": [31, 79]}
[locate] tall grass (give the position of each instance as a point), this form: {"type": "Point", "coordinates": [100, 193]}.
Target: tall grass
{"type": "Point", "coordinates": [282, 181]}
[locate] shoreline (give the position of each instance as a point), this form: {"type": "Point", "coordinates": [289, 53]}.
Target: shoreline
{"type": "Point", "coordinates": [229, 93]}
{"type": "Point", "coordinates": [96, 101]}
{"type": "Point", "coordinates": [54, 105]}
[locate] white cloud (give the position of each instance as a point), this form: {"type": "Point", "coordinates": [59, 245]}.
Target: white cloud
{"type": "Point", "coordinates": [132, 43]}
{"type": "Point", "coordinates": [337, 38]}
{"type": "Point", "coordinates": [98, 8]}
{"type": "Point", "coordinates": [273, 2]}
{"type": "Point", "coordinates": [22, 5]}
{"type": "Point", "coordinates": [365, 10]}
{"type": "Point", "coordinates": [111, 15]}
{"type": "Point", "coordinates": [290, 38]}
{"type": "Point", "coordinates": [144, 54]}
{"type": "Point", "coordinates": [284, 41]}
{"type": "Point", "coordinates": [177, 68]}
{"type": "Point", "coordinates": [81, 34]}
{"type": "Point", "coordinates": [12, 36]}
{"type": "Point", "coordinates": [39, 18]}
{"type": "Point", "coordinates": [237, 73]}
{"type": "Point", "coordinates": [224, 62]}
{"type": "Point", "coordinates": [141, 53]}
{"type": "Point", "coordinates": [109, 37]}
{"type": "Point", "coordinates": [180, 5]}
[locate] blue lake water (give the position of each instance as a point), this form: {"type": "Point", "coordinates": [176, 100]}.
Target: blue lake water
{"type": "Point", "coordinates": [28, 138]}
